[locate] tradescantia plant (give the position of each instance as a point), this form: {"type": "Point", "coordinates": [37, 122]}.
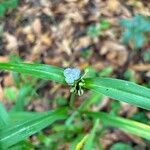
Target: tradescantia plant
{"type": "Point", "coordinates": [16, 126]}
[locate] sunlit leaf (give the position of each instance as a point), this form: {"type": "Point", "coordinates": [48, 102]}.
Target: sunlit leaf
{"type": "Point", "coordinates": [37, 70]}
{"type": "Point", "coordinates": [126, 125]}
{"type": "Point", "coordinates": [125, 91]}
{"type": "Point", "coordinates": [20, 130]}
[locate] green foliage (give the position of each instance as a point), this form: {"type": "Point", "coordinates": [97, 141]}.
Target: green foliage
{"type": "Point", "coordinates": [135, 29]}
{"type": "Point", "coordinates": [23, 145]}
{"type": "Point", "coordinates": [90, 140]}
{"type": "Point", "coordinates": [95, 30]}
{"type": "Point", "coordinates": [60, 101]}
{"type": "Point", "coordinates": [127, 125]}
{"type": "Point", "coordinates": [129, 75]}
{"type": "Point", "coordinates": [7, 4]}
{"type": "Point", "coordinates": [105, 72]}
{"type": "Point", "coordinates": [16, 125]}
{"type": "Point", "coordinates": [4, 117]}
{"type": "Point", "coordinates": [141, 117]}
{"type": "Point", "coordinates": [18, 131]}
{"type": "Point", "coordinates": [81, 143]}
{"type": "Point", "coordinates": [121, 90]}
{"type": "Point", "coordinates": [91, 72]}
{"type": "Point", "coordinates": [10, 93]}
{"type": "Point", "coordinates": [85, 53]}
{"type": "Point", "coordinates": [121, 146]}
{"type": "Point", "coordinates": [24, 91]}
{"type": "Point", "coordinates": [37, 70]}
{"type": "Point", "coordinates": [94, 98]}
{"type": "Point", "coordinates": [115, 106]}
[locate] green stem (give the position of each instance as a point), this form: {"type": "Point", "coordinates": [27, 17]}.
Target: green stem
{"type": "Point", "coordinates": [71, 102]}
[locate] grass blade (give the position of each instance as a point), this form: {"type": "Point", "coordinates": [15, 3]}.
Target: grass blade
{"type": "Point", "coordinates": [75, 142]}
{"type": "Point", "coordinates": [121, 90]}
{"type": "Point", "coordinates": [81, 143]}
{"type": "Point", "coordinates": [19, 131]}
{"type": "Point", "coordinates": [90, 140]}
{"type": "Point", "coordinates": [37, 70]}
{"type": "Point", "coordinates": [23, 115]}
{"type": "Point", "coordinates": [23, 93]}
{"type": "Point", "coordinates": [133, 127]}
{"type": "Point", "coordinates": [4, 117]}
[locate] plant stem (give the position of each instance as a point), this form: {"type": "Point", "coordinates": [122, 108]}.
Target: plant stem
{"type": "Point", "coordinates": [71, 102]}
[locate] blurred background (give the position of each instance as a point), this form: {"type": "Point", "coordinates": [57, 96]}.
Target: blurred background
{"type": "Point", "coordinates": [110, 38]}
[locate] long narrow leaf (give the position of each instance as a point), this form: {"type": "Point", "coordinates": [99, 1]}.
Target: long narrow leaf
{"type": "Point", "coordinates": [19, 131]}
{"type": "Point", "coordinates": [127, 125]}
{"type": "Point", "coordinates": [90, 140]}
{"type": "Point", "coordinates": [20, 102]}
{"type": "Point", "coordinates": [23, 115]}
{"type": "Point", "coordinates": [37, 70]}
{"type": "Point", "coordinates": [81, 143]}
{"type": "Point", "coordinates": [4, 117]}
{"type": "Point", "coordinates": [121, 90]}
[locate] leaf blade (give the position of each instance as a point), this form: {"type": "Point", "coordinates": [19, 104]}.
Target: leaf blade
{"type": "Point", "coordinates": [37, 70]}
{"type": "Point", "coordinates": [4, 116]}
{"type": "Point", "coordinates": [130, 126]}
{"type": "Point", "coordinates": [21, 97]}
{"type": "Point", "coordinates": [18, 131]}
{"type": "Point", "coordinates": [90, 140]}
{"type": "Point", "coordinates": [121, 90]}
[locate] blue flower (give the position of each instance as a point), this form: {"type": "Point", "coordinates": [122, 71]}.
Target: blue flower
{"type": "Point", "coordinates": [71, 74]}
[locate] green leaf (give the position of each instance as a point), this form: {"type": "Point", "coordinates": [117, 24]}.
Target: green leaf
{"type": "Point", "coordinates": [134, 30]}
{"type": "Point", "coordinates": [126, 36]}
{"type": "Point", "coordinates": [104, 24]}
{"type": "Point", "coordinates": [23, 145]}
{"type": "Point", "coordinates": [105, 72]}
{"type": "Point", "coordinates": [91, 72]}
{"type": "Point", "coordinates": [115, 106]}
{"type": "Point", "coordinates": [93, 31]}
{"type": "Point", "coordinates": [124, 91]}
{"type": "Point", "coordinates": [19, 131]}
{"type": "Point", "coordinates": [141, 117]}
{"type": "Point", "coordinates": [121, 146]}
{"type": "Point", "coordinates": [92, 99]}
{"type": "Point", "coordinates": [4, 117]}
{"type": "Point", "coordinates": [2, 11]}
{"type": "Point", "coordinates": [10, 93]}
{"type": "Point", "coordinates": [9, 4]}
{"type": "Point", "coordinates": [138, 40]}
{"type": "Point", "coordinates": [81, 143]}
{"type": "Point", "coordinates": [22, 95]}
{"type": "Point", "coordinates": [86, 53]}
{"type": "Point", "coordinates": [130, 126]}
{"type": "Point", "coordinates": [90, 140]}
{"type": "Point", "coordinates": [75, 142]}
{"type": "Point", "coordinates": [22, 115]}
{"type": "Point", "coordinates": [126, 23]}
{"type": "Point", "coordinates": [129, 75]}
{"type": "Point", "coordinates": [37, 70]}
